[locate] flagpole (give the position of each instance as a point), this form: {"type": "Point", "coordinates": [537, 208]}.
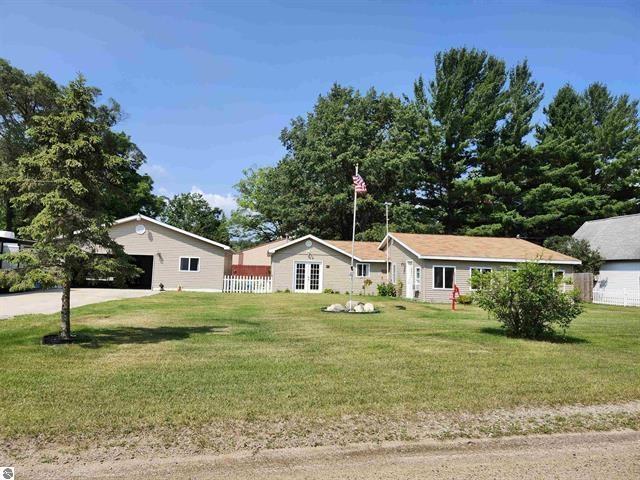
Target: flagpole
{"type": "Point", "coordinates": [386, 211]}
{"type": "Point", "coordinates": [353, 240]}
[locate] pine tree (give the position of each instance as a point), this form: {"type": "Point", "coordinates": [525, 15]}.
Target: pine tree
{"type": "Point", "coordinates": [462, 109]}
{"type": "Point", "coordinates": [69, 179]}
{"type": "Point", "coordinates": [504, 165]}
{"type": "Point", "coordinates": [588, 160]}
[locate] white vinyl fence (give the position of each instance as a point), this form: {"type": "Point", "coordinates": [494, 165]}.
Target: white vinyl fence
{"type": "Point", "coordinates": [238, 284]}
{"type": "Point", "coordinates": [625, 298]}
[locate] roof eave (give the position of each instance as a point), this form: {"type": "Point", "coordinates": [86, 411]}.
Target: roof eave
{"type": "Point", "coordinates": [499, 260]}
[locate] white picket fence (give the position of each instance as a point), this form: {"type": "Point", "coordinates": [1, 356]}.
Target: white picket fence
{"type": "Point", "coordinates": [625, 298]}
{"type": "Point", "coordinates": [238, 284]}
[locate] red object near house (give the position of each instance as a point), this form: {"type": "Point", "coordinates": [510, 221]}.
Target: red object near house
{"type": "Point", "coordinates": [251, 270]}
{"type": "Point", "coordinates": [454, 292]}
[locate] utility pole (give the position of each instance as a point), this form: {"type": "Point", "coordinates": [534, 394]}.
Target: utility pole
{"type": "Point", "coordinates": [386, 212]}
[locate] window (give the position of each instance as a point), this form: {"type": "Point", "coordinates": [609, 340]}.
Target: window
{"type": "Point", "coordinates": [362, 269]}
{"type": "Point", "coordinates": [443, 277]}
{"type": "Point", "coordinates": [474, 272]}
{"type": "Point", "coordinates": [558, 274]}
{"type": "Point", "coordinates": [189, 264]}
{"type": "Point", "coordinates": [393, 272]}
{"type": "Point", "coordinates": [418, 278]}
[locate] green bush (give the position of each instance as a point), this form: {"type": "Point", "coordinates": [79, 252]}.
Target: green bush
{"type": "Point", "coordinates": [387, 290]}
{"type": "Point", "coordinates": [465, 299]}
{"type": "Point", "coordinates": [528, 302]}
{"type": "Point", "coordinates": [331, 291]}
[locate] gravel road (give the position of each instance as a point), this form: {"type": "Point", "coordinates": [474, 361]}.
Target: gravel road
{"type": "Point", "coordinates": [611, 455]}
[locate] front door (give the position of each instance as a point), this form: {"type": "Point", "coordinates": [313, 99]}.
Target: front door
{"type": "Point", "coordinates": [307, 277]}
{"type": "Point", "coordinates": [408, 286]}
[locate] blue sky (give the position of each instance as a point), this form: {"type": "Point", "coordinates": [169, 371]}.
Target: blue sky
{"type": "Point", "coordinates": [208, 86]}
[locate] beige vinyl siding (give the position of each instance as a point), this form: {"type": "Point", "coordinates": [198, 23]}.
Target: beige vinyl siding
{"type": "Point", "coordinates": [167, 246]}
{"type": "Point", "coordinates": [463, 275]}
{"type": "Point", "coordinates": [257, 255]}
{"type": "Point", "coordinates": [399, 255]}
{"type": "Point", "coordinates": [335, 268]}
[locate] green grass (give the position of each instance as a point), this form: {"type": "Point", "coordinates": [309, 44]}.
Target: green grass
{"type": "Point", "coordinates": [189, 359]}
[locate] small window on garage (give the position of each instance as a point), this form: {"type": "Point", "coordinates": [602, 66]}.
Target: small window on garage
{"type": "Point", "coordinates": [189, 264]}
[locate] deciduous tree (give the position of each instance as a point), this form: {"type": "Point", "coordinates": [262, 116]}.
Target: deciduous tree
{"type": "Point", "coordinates": [192, 212]}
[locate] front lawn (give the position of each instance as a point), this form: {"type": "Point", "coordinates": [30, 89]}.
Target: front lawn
{"type": "Point", "coordinates": [190, 359]}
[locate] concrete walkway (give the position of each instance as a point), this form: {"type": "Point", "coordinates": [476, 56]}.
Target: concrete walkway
{"type": "Point", "coordinates": [48, 301]}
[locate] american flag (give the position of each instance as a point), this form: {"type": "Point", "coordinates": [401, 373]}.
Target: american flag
{"type": "Point", "coordinates": [358, 182]}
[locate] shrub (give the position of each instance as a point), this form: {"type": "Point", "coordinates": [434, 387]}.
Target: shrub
{"type": "Point", "coordinates": [528, 302]}
{"type": "Point", "coordinates": [331, 291]}
{"type": "Point", "coordinates": [465, 299]}
{"type": "Point", "coordinates": [386, 290]}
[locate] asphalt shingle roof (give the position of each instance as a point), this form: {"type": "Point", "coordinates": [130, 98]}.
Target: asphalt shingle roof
{"type": "Point", "coordinates": [616, 238]}
{"type": "Point", "coordinates": [363, 250]}
{"type": "Point", "coordinates": [477, 247]}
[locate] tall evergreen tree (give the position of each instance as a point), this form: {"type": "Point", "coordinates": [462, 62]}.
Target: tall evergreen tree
{"type": "Point", "coordinates": [23, 97]}
{"type": "Point", "coordinates": [69, 178]}
{"type": "Point", "coordinates": [588, 162]}
{"type": "Point", "coordinates": [505, 166]}
{"type": "Point", "coordinates": [462, 106]}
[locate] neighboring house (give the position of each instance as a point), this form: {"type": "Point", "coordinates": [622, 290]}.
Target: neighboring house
{"type": "Point", "coordinates": [311, 265]}
{"type": "Point", "coordinates": [428, 266]}
{"type": "Point", "coordinates": [10, 244]}
{"type": "Point", "coordinates": [172, 256]}
{"type": "Point", "coordinates": [618, 241]}
{"type": "Point", "coordinates": [255, 260]}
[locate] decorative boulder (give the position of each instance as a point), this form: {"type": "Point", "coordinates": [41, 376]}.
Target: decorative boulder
{"type": "Point", "coordinates": [336, 307]}
{"type": "Point", "coordinates": [359, 308]}
{"type": "Point", "coordinates": [352, 304]}
{"type": "Point", "coordinates": [368, 307]}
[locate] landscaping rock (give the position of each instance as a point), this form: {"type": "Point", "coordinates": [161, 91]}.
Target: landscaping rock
{"type": "Point", "coordinates": [368, 307]}
{"type": "Point", "coordinates": [352, 304]}
{"type": "Point", "coordinates": [359, 308]}
{"type": "Point", "coordinates": [336, 307]}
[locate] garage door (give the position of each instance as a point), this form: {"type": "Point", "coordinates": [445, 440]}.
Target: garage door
{"type": "Point", "coordinates": [145, 262]}
{"type": "Point", "coordinates": [143, 282]}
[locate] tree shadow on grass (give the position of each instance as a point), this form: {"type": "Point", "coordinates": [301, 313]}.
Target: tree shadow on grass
{"type": "Point", "coordinates": [99, 337]}
{"type": "Point", "coordinates": [500, 332]}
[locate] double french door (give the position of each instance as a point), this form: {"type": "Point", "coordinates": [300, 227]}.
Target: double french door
{"type": "Point", "coordinates": [307, 277]}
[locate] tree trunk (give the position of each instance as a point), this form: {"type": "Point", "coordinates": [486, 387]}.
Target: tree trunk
{"type": "Point", "coordinates": [65, 313]}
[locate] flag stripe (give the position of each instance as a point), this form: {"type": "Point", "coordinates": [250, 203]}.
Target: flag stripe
{"type": "Point", "coordinates": [359, 184]}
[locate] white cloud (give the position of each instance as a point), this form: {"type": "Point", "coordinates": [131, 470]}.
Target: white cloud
{"type": "Point", "coordinates": [225, 202]}
{"type": "Point", "coordinates": [154, 169]}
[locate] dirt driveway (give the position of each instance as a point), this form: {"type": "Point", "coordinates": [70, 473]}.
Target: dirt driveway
{"type": "Point", "coordinates": [48, 301]}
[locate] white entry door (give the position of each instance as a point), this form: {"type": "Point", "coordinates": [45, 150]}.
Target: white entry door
{"type": "Point", "coordinates": [307, 277]}
{"type": "Point", "coordinates": [408, 285]}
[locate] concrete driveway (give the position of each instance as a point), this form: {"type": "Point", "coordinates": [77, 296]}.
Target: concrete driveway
{"type": "Point", "coordinates": [48, 301]}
